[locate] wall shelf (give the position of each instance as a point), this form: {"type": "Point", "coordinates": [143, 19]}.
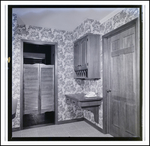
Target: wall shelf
{"type": "Point", "coordinates": [88, 103]}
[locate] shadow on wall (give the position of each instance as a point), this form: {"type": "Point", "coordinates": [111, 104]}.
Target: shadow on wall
{"type": "Point", "coordinates": [14, 107]}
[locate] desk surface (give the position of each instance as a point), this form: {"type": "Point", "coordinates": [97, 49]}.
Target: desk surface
{"type": "Point", "coordinates": [81, 97]}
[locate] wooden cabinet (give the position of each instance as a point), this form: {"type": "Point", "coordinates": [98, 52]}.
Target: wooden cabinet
{"type": "Point", "coordinates": [87, 57]}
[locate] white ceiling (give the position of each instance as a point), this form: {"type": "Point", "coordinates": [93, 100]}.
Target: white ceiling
{"type": "Point", "coordinates": [60, 18]}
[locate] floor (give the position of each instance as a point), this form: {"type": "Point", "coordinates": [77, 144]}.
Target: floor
{"type": "Point", "coordinates": [75, 129]}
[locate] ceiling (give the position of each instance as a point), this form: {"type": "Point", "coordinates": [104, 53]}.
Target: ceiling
{"type": "Point", "coordinates": [60, 18]}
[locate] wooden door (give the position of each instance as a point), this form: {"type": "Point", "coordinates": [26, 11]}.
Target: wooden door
{"type": "Point", "coordinates": [38, 88]}
{"type": "Point", "coordinates": [31, 88]}
{"type": "Point", "coordinates": [123, 102]}
{"type": "Point", "coordinates": [47, 87]}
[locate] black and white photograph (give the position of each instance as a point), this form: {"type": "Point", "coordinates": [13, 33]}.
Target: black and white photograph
{"type": "Point", "coordinates": [74, 73]}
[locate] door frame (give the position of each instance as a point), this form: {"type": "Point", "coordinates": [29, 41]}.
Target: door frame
{"type": "Point", "coordinates": [106, 73]}
{"type": "Point", "coordinates": [55, 78]}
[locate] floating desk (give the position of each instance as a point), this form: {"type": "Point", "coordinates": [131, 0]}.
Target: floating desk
{"type": "Point", "coordinates": [87, 103]}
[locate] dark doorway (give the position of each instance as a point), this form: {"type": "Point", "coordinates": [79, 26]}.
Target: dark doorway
{"type": "Point", "coordinates": [38, 119]}
{"type": "Point", "coordinates": [34, 55]}
{"type": "Point", "coordinates": [38, 54]}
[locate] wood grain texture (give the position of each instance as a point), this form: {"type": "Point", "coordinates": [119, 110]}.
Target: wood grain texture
{"type": "Point", "coordinates": [123, 84]}
{"type": "Point", "coordinates": [106, 83]}
{"type": "Point", "coordinates": [87, 57]}
{"type": "Point", "coordinates": [31, 88]}
{"type": "Point", "coordinates": [123, 100]}
{"type": "Point", "coordinates": [76, 56]}
{"type": "Point", "coordinates": [84, 53]}
{"type": "Point", "coordinates": [55, 52]}
{"type": "Point", "coordinates": [38, 88]}
{"type": "Point", "coordinates": [94, 57]}
{"type": "Point", "coordinates": [47, 87]}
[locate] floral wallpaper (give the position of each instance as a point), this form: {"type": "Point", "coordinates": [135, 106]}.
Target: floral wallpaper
{"type": "Point", "coordinates": [119, 19]}
{"type": "Point", "coordinates": [91, 26]}
{"type": "Point", "coordinates": [66, 82]}
{"type": "Point", "coordinates": [94, 26]}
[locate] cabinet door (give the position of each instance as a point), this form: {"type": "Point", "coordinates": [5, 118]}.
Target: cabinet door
{"type": "Point", "coordinates": [76, 56]}
{"type": "Point", "coordinates": [84, 53]}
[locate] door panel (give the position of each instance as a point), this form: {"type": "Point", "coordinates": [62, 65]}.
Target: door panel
{"type": "Point", "coordinates": [130, 120]}
{"type": "Point", "coordinates": [122, 100]}
{"type": "Point", "coordinates": [31, 88]}
{"type": "Point", "coordinates": [115, 113]}
{"type": "Point", "coordinates": [47, 87]}
{"type": "Point", "coordinates": [76, 56]}
{"type": "Point", "coordinates": [84, 53]}
{"type": "Point", "coordinates": [38, 88]}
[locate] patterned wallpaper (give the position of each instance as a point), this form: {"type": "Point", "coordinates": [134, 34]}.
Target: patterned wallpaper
{"type": "Point", "coordinates": [93, 26]}
{"type": "Point", "coordinates": [119, 19]}
{"type": "Point", "coordinates": [66, 82]}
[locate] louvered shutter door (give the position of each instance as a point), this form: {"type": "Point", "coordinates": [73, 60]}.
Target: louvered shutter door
{"type": "Point", "coordinates": [31, 88]}
{"type": "Point", "coordinates": [47, 87]}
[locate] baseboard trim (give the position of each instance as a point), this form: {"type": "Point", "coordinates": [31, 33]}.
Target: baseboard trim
{"type": "Point", "coordinates": [70, 121]}
{"type": "Point", "coordinates": [15, 129]}
{"type": "Point", "coordinates": [93, 125]}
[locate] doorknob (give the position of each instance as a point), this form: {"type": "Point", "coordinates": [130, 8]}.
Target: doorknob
{"type": "Point", "coordinates": [108, 90]}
